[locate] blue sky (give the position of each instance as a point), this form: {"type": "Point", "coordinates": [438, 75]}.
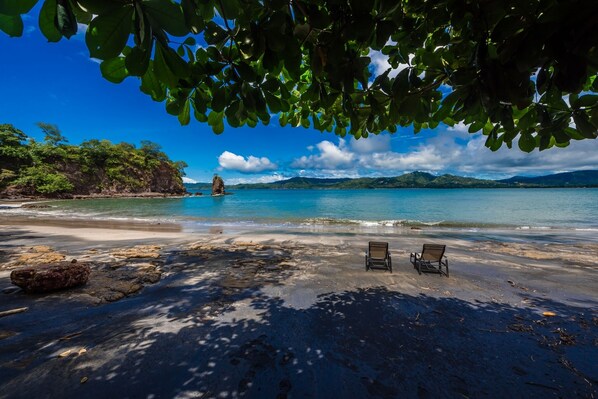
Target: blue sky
{"type": "Point", "coordinates": [58, 83]}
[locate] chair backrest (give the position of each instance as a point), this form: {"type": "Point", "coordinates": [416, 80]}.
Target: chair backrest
{"type": "Point", "coordinates": [378, 250]}
{"type": "Point", "coordinates": [433, 252]}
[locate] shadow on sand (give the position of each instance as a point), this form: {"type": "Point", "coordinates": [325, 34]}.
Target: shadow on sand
{"type": "Point", "coordinates": [186, 340]}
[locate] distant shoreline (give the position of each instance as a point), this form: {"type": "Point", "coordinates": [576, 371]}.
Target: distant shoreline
{"type": "Point", "coordinates": [194, 194]}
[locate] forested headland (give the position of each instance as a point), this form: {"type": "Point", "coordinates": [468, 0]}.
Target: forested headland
{"type": "Point", "coordinates": [56, 169]}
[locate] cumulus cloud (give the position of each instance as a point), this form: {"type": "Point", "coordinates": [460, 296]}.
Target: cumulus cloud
{"type": "Point", "coordinates": [451, 151]}
{"type": "Point", "coordinates": [257, 179]}
{"type": "Point", "coordinates": [251, 164]}
{"type": "Point", "coordinates": [373, 144]}
{"type": "Point", "coordinates": [380, 64]}
{"type": "Point", "coordinates": [189, 180]}
{"type": "Point", "coordinates": [330, 156]}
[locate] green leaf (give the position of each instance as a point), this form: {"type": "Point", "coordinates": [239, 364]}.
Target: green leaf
{"type": "Point", "coordinates": [185, 115]}
{"type": "Point", "coordinates": [190, 41]}
{"type": "Point", "coordinates": [584, 126]}
{"type": "Point", "coordinates": [218, 128]}
{"type": "Point", "coordinates": [108, 33]}
{"type": "Point", "coordinates": [193, 21]}
{"type": "Point", "coordinates": [168, 66]}
{"type": "Point", "coordinates": [16, 7]}
{"type": "Point", "coordinates": [47, 16]}
{"type": "Point", "coordinates": [528, 120]}
{"type": "Point", "coordinates": [173, 106]}
{"type": "Point", "coordinates": [527, 142]}
{"type": "Point", "coordinates": [200, 116]}
{"type": "Point", "coordinates": [114, 69]}
{"type": "Point", "coordinates": [167, 15]}
{"type": "Point", "coordinates": [178, 66]}
{"type": "Point", "coordinates": [152, 86]}
{"type": "Point", "coordinates": [574, 134]}
{"type": "Point", "coordinates": [230, 8]}
{"type": "Point", "coordinates": [12, 25]}
{"type": "Point", "coordinates": [161, 70]}
{"type": "Point", "coordinates": [476, 127]}
{"type": "Point", "coordinates": [283, 120]}
{"type": "Point", "coordinates": [65, 19]}
{"type": "Point", "coordinates": [98, 7]}
{"type": "Point", "coordinates": [218, 99]}
{"type": "Point", "coordinates": [589, 100]}
{"type": "Point", "coordinates": [214, 118]}
{"type": "Point", "coordinates": [137, 61]}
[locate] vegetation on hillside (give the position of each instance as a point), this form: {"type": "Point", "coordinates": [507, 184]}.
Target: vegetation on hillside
{"type": "Point", "coordinates": [519, 71]}
{"type": "Point", "coordinates": [423, 180]}
{"type": "Point", "coordinates": [55, 168]}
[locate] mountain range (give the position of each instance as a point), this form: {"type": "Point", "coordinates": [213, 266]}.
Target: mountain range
{"type": "Point", "coordinates": [585, 178]}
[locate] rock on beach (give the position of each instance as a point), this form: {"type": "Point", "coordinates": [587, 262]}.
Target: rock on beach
{"type": "Point", "coordinates": [50, 277]}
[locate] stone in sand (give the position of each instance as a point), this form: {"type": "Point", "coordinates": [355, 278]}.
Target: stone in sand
{"type": "Point", "coordinates": [45, 278]}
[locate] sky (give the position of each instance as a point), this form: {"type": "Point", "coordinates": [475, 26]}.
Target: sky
{"type": "Point", "coordinates": [58, 83]}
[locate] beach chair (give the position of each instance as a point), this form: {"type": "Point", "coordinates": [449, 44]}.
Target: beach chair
{"type": "Point", "coordinates": [431, 260]}
{"type": "Point", "coordinates": [378, 256]}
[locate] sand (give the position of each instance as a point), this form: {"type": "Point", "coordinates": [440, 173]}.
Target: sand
{"type": "Point", "coordinates": [293, 313]}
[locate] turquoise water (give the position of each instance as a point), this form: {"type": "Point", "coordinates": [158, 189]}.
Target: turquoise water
{"type": "Point", "coordinates": [507, 208]}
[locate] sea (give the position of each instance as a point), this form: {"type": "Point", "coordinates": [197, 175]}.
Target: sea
{"type": "Point", "coordinates": [380, 210]}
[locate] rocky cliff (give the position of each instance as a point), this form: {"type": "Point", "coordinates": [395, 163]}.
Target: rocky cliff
{"type": "Point", "coordinates": [93, 168]}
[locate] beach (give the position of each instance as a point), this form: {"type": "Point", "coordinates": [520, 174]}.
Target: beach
{"type": "Point", "coordinates": [276, 312]}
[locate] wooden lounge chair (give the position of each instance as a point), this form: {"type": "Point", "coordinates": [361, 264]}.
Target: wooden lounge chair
{"type": "Point", "coordinates": [378, 256]}
{"type": "Point", "coordinates": [431, 260]}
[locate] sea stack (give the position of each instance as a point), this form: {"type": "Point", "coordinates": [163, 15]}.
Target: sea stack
{"type": "Point", "coordinates": [217, 185]}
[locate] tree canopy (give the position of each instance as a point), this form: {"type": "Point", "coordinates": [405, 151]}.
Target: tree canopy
{"type": "Point", "coordinates": [511, 69]}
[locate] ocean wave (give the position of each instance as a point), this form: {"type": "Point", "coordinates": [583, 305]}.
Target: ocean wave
{"type": "Point", "coordinates": [196, 221]}
{"type": "Point", "coordinates": [395, 223]}
{"type": "Point", "coordinates": [534, 228]}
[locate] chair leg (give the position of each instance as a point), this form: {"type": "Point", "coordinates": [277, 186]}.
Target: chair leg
{"type": "Point", "coordinates": [366, 264]}
{"type": "Point", "coordinates": [419, 268]}
{"type": "Point", "coordinates": [390, 264]}
{"type": "Point", "coordinates": [447, 270]}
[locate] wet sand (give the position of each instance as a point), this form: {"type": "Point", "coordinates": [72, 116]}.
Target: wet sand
{"type": "Point", "coordinates": [293, 313]}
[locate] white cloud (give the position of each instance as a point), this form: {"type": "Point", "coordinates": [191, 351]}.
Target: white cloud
{"type": "Point", "coordinates": [251, 164]}
{"type": "Point", "coordinates": [452, 150]}
{"type": "Point", "coordinates": [258, 179]}
{"type": "Point", "coordinates": [330, 157]}
{"type": "Point", "coordinates": [189, 180]}
{"type": "Point", "coordinates": [373, 144]}
{"type": "Point", "coordinates": [380, 64]}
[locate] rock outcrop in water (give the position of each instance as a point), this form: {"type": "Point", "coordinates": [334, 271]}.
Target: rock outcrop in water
{"type": "Point", "coordinates": [217, 185]}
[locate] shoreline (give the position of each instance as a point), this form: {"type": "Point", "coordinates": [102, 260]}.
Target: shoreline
{"type": "Point", "coordinates": [296, 309]}
{"type": "Point", "coordinates": [303, 227]}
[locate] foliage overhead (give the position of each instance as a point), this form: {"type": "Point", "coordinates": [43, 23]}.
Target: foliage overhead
{"type": "Point", "coordinates": [512, 69]}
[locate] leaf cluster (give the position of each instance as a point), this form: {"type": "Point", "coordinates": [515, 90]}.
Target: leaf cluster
{"type": "Point", "coordinates": [517, 71]}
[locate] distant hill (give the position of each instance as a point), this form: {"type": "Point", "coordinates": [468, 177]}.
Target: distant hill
{"type": "Point", "coordinates": [420, 180]}
{"type": "Point", "coordinates": [582, 178]}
